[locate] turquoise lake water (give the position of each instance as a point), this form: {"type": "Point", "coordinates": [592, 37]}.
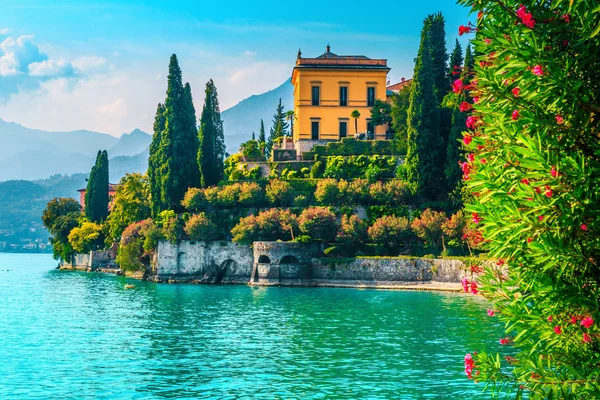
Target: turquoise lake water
{"type": "Point", "coordinates": [79, 335]}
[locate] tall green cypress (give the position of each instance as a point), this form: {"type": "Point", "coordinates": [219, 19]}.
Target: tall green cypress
{"type": "Point", "coordinates": [454, 152]}
{"type": "Point", "coordinates": [439, 55]}
{"type": "Point", "coordinates": [96, 194]}
{"type": "Point", "coordinates": [262, 137]}
{"type": "Point", "coordinates": [179, 140]}
{"type": "Point", "coordinates": [211, 154]}
{"type": "Point", "coordinates": [279, 128]}
{"type": "Point", "coordinates": [424, 170]}
{"type": "Point", "coordinates": [456, 60]}
{"type": "Point", "coordinates": [156, 161]}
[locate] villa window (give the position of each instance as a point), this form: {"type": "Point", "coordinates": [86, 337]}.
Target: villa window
{"type": "Point", "coordinates": [370, 130]}
{"type": "Point", "coordinates": [314, 127]}
{"type": "Point", "coordinates": [316, 95]}
{"type": "Point", "coordinates": [370, 96]}
{"type": "Point", "coordinates": [343, 129]}
{"type": "Point", "coordinates": [343, 96]}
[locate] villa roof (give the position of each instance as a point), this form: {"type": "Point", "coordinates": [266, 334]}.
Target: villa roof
{"type": "Point", "coordinates": [400, 85]}
{"type": "Point", "coordinates": [112, 187]}
{"type": "Point", "coordinates": [333, 61]}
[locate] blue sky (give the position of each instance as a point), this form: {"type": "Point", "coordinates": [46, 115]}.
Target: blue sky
{"type": "Point", "coordinates": [101, 65]}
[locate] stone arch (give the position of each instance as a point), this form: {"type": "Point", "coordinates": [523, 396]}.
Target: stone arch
{"type": "Point", "coordinates": [182, 260]}
{"type": "Point", "coordinates": [227, 266]}
{"type": "Point", "coordinates": [289, 260]}
{"type": "Point", "coordinates": [264, 259]}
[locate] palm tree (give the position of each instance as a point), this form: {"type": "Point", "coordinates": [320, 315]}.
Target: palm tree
{"type": "Point", "coordinates": [290, 117]}
{"type": "Point", "coordinates": [356, 115]}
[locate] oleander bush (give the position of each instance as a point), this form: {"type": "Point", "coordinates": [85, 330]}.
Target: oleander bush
{"type": "Point", "coordinates": [280, 193]}
{"type": "Point", "coordinates": [327, 192]}
{"type": "Point", "coordinates": [270, 225]}
{"type": "Point", "coordinates": [428, 227]}
{"type": "Point", "coordinates": [137, 245]}
{"type": "Point", "coordinates": [391, 232]}
{"type": "Point", "coordinates": [533, 168]}
{"type": "Point", "coordinates": [200, 227]}
{"type": "Point", "coordinates": [320, 223]}
{"type": "Point", "coordinates": [353, 231]}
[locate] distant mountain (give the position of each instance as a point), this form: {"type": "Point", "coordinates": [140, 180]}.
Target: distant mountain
{"type": "Point", "coordinates": [16, 138]}
{"type": "Point", "coordinates": [131, 144]}
{"type": "Point", "coordinates": [34, 154]}
{"type": "Point", "coordinates": [240, 120]}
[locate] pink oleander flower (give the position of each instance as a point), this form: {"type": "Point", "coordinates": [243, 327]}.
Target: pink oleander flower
{"type": "Point", "coordinates": [515, 115]}
{"type": "Point", "coordinates": [487, 41]}
{"type": "Point", "coordinates": [529, 240]}
{"type": "Point", "coordinates": [469, 365]}
{"type": "Point", "coordinates": [526, 18]}
{"type": "Point", "coordinates": [516, 91]}
{"type": "Point", "coordinates": [457, 86]}
{"type": "Point", "coordinates": [475, 100]}
{"type": "Point", "coordinates": [553, 172]}
{"type": "Point", "coordinates": [557, 330]}
{"type": "Point", "coordinates": [474, 289]}
{"type": "Point", "coordinates": [467, 139]}
{"type": "Point", "coordinates": [550, 318]}
{"type": "Point", "coordinates": [483, 161]}
{"type": "Point", "coordinates": [584, 227]}
{"type": "Point", "coordinates": [559, 120]}
{"type": "Point", "coordinates": [586, 338]}
{"type": "Point", "coordinates": [537, 70]}
{"type": "Point", "coordinates": [574, 320]}
{"type": "Point", "coordinates": [470, 157]}
{"type": "Point", "coordinates": [465, 284]}
{"type": "Point", "coordinates": [587, 322]}
{"type": "Point", "coordinates": [490, 312]}
{"type": "Point", "coordinates": [548, 192]}
{"type": "Point", "coordinates": [503, 341]}
{"type": "Point", "coordinates": [464, 29]}
{"type": "Point", "coordinates": [476, 218]}
{"type": "Point", "coordinates": [464, 106]}
{"type": "Point", "coordinates": [471, 122]}
{"type": "Point", "coordinates": [525, 181]}
{"type": "Point", "coordinates": [541, 218]}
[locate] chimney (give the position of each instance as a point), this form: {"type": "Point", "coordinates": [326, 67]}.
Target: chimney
{"type": "Point", "coordinates": [328, 48]}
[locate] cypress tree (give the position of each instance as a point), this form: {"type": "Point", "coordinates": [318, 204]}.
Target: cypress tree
{"type": "Point", "coordinates": [96, 195]}
{"type": "Point", "coordinates": [279, 128]}
{"type": "Point", "coordinates": [211, 154]}
{"type": "Point", "coordinates": [424, 152]}
{"type": "Point", "coordinates": [156, 161]}
{"type": "Point", "coordinates": [262, 137]}
{"type": "Point", "coordinates": [454, 152]}
{"type": "Point", "coordinates": [179, 140]}
{"type": "Point", "coordinates": [456, 60]}
{"type": "Point", "coordinates": [439, 55]}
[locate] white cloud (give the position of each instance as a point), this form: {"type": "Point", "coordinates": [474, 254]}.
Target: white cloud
{"type": "Point", "coordinates": [89, 63]}
{"type": "Point", "coordinates": [8, 65]}
{"type": "Point", "coordinates": [21, 52]}
{"type": "Point", "coordinates": [249, 53]}
{"type": "Point", "coordinates": [51, 68]}
{"type": "Point", "coordinates": [4, 31]}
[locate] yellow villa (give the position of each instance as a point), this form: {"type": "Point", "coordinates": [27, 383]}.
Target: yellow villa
{"type": "Point", "coordinates": [327, 89]}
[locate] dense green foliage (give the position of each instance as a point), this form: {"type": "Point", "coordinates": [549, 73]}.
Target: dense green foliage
{"type": "Point", "coordinates": [131, 204]}
{"type": "Point", "coordinates": [399, 114]}
{"type": "Point", "coordinates": [424, 157]}
{"type": "Point", "coordinates": [138, 242]}
{"type": "Point", "coordinates": [86, 237]}
{"type": "Point", "coordinates": [60, 217]}
{"type": "Point", "coordinates": [175, 145]}
{"type": "Point", "coordinates": [200, 227]}
{"type": "Point", "coordinates": [381, 113]}
{"type": "Point", "coordinates": [96, 194]}
{"type": "Point", "coordinates": [212, 140]}
{"type": "Point", "coordinates": [534, 169]}
{"type": "Point", "coordinates": [319, 223]}
{"type": "Point", "coordinates": [354, 147]}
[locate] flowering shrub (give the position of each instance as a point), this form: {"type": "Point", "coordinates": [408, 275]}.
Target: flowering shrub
{"type": "Point", "coordinates": [428, 227]}
{"type": "Point", "coordinates": [533, 168]}
{"type": "Point", "coordinates": [353, 231]}
{"type": "Point", "coordinates": [327, 192]}
{"type": "Point", "coordinates": [357, 192]}
{"type": "Point", "coordinates": [319, 223]}
{"type": "Point", "coordinates": [391, 231]}
{"type": "Point", "coordinates": [454, 228]}
{"type": "Point", "coordinates": [251, 194]}
{"type": "Point", "coordinates": [279, 192]}
{"type": "Point", "coordinates": [200, 227]}
{"type": "Point", "coordinates": [269, 225]}
{"type": "Point", "coordinates": [195, 200]}
{"type": "Point", "coordinates": [136, 245]}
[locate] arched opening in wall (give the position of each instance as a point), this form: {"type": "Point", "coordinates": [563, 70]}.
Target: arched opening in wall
{"type": "Point", "coordinates": [264, 260]}
{"type": "Point", "coordinates": [289, 260]}
{"type": "Point", "coordinates": [226, 266]}
{"type": "Point", "coordinates": [181, 262]}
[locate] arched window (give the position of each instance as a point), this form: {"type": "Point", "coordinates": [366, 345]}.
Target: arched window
{"type": "Point", "coordinates": [264, 260]}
